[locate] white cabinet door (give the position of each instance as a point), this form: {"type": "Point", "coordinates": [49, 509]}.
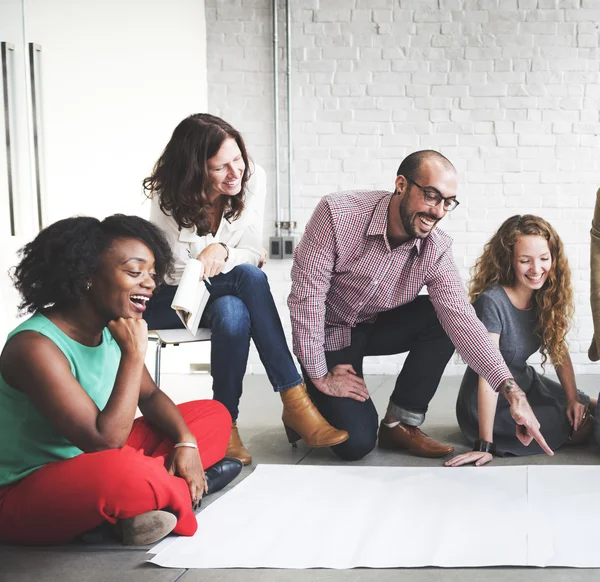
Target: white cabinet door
{"type": "Point", "coordinates": [116, 76]}
{"type": "Point", "coordinates": [15, 167]}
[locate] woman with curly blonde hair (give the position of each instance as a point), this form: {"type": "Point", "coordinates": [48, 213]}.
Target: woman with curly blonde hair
{"type": "Point", "coordinates": [521, 291]}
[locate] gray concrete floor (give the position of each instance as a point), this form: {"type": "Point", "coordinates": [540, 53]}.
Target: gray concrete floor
{"type": "Point", "coordinates": [264, 436]}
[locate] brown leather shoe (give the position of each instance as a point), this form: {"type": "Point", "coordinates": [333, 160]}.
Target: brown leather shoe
{"type": "Point", "coordinates": [410, 438]}
{"type": "Point", "coordinates": [144, 529]}
{"type": "Point", "coordinates": [236, 448]}
{"type": "Point", "coordinates": [302, 420]}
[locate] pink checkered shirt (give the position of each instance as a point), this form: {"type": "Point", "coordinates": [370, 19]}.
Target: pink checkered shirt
{"type": "Point", "coordinates": [345, 273]}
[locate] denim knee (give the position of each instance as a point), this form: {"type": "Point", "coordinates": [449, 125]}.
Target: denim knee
{"type": "Point", "coordinates": [356, 447]}
{"type": "Point", "coordinates": [249, 274]}
{"type": "Point", "coordinates": [229, 316]}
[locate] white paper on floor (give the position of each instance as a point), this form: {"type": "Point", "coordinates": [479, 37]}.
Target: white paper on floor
{"type": "Point", "coordinates": [564, 516]}
{"type": "Point", "coordinates": [289, 516]}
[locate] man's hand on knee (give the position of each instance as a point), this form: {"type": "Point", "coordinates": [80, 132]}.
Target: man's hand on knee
{"type": "Point", "coordinates": [342, 382]}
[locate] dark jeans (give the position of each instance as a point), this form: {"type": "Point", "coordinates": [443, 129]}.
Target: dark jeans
{"type": "Point", "coordinates": [412, 328]}
{"type": "Point", "coordinates": [240, 307]}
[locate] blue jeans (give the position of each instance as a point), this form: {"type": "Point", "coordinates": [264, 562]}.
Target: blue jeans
{"type": "Point", "coordinates": [240, 307]}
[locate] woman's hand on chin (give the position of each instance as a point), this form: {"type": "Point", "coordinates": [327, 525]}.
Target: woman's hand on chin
{"type": "Point", "coordinates": [130, 334]}
{"type": "Point", "coordinates": [477, 457]}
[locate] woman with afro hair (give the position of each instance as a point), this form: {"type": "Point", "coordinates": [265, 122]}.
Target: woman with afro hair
{"type": "Point", "coordinates": [73, 456]}
{"type": "Point", "coordinates": [521, 291]}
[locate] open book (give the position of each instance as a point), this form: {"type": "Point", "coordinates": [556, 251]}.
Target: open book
{"type": "Point", "coordinates": [191, 296]}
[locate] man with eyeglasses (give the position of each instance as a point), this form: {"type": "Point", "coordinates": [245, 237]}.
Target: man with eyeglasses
{"type": "Point", "coordinates": [357, 273]}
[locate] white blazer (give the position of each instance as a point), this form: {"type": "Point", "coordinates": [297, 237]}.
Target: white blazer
{"type": "Point", "coordinates": [243, 236]}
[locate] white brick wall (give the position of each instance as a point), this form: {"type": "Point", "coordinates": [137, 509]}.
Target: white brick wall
{"type": "Point", "coordinates": [509, 90]}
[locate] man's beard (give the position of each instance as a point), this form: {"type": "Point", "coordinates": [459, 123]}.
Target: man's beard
{"type": "Point", "coordinates": [408, 220]}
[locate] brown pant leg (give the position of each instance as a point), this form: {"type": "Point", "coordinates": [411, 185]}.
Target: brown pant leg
{"type": "Point", "coordinates": [594, 351]}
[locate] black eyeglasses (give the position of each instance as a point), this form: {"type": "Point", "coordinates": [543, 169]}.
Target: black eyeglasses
{"type": "Point", "coordinates": [433, 197]}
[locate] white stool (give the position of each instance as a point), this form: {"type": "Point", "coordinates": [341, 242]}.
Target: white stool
{"type": "Point", "coordinates": [165, 337]}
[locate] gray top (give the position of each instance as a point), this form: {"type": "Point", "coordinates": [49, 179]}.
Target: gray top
{"type": "Point", "coordinates": [516, 327]}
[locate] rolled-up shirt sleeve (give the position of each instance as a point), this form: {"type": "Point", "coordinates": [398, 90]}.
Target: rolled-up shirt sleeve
{"type": "Point", "coordinates": [314, 261]}
{"type": "Point", "coordinates": [460, 322]}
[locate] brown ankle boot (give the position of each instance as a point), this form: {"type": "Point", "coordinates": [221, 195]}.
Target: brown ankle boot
{"type": "Point", "coordinates": [302, 420]}
{"type": "Point", "coordinates": [236, 448]}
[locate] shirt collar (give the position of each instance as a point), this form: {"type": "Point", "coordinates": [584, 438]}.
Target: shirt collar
{"type": "Point", "coordinates": [379, 220]}
{"type": "Point", "coordinates": [378, 224]}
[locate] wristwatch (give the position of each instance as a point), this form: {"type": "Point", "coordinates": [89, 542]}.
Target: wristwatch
{"type": "Point", "coordinates": [484, 446]}
{"type": "Point", "coordinates": [226, 250]}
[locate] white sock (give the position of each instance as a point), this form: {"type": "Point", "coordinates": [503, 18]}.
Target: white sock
{"type": "Point", "coordinates": [392, 424]}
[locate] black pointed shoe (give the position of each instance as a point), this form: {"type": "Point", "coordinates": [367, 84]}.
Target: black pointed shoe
{"type": "Point", "coordinates": [222, 473]}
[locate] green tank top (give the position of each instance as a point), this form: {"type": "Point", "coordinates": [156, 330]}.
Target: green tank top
{"type": "Point", "coordinates": [29, 440]}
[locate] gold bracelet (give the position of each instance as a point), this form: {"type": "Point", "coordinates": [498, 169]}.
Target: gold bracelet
{"type": "Point", "coordinates": [191, 445]}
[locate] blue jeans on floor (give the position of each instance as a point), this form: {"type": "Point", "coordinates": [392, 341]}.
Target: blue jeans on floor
{"type": "Point", "coordinates": [240, 307]}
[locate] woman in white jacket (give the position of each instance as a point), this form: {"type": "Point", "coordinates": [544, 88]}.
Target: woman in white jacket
{"type": "Point", "coordinates": [209, 200]}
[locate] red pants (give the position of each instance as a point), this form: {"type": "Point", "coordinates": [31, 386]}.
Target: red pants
{"type": "Point", "coordinates": [61, 500]}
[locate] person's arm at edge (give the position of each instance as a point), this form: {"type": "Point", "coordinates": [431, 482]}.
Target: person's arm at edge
{"type": "Point", "coordinates": [594, 349]}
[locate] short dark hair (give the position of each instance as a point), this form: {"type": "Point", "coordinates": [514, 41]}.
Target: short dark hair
{"type": "Point", "coordinates": [56, 266]}
{"type": "Point", "coordinates": [180, 175]}
{"type": "Point", "coordinates": [412, 163]}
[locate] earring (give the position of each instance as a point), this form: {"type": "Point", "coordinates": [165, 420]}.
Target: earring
{"type": "Point", "coordinates": [88, 286]}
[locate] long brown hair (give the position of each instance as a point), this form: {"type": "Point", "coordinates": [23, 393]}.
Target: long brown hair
{"type": "Point", "coordinates": [180, 176]}
{"type": "Point", "coordinates": [553, 302]}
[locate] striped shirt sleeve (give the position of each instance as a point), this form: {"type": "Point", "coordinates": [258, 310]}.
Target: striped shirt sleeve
{"type": "Point", "coordinates": [314, 260]}
{"type": "Point", "coordinates": [460, 322]}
